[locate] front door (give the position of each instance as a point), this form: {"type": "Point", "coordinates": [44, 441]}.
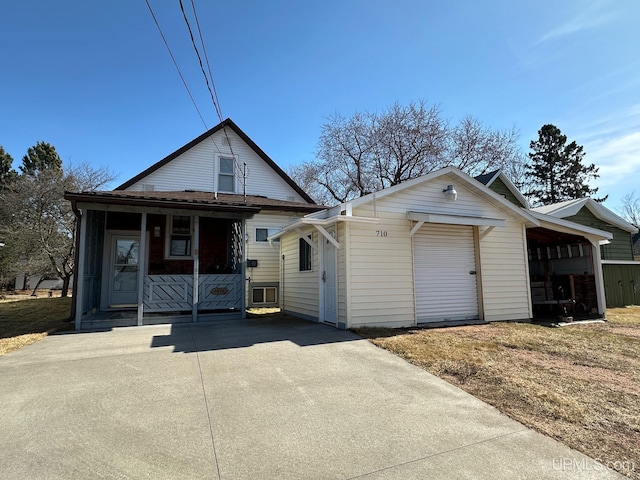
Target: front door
{"type": "Point", "coordinates": [329, 283]}
{"type": "Point", "coordinates": [123, 274]}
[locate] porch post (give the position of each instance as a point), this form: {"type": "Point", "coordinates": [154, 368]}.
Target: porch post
{"type": "Point", "coordinates": [142, 265]}
{"type": "Point", "coordinates": [597, 270]}
{"type": "Point", "coordinates": [196, 268]}
{"type": "Point", "coordinates": [79, 292]}
{"type": "Point", "coordinates": [243, 268]}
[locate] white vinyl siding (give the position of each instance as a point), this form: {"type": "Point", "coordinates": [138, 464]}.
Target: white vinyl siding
{"type": "Point", "coordinates": [505, 280]}
{"type": "Point", "coordinates": [342, 232]}
{"type": "Point", "coordinates": [299, 289]}
{"type": "Point", "coordinates": [381, 289]}
{"type": "Point", "coordinates": [268, 256]}
{"type": "Point", "coordinates": [444, 257]}
{"type": "Point", "coordinates": [197, 169]}
{"type": "Point", "coordinates": [381, 285]}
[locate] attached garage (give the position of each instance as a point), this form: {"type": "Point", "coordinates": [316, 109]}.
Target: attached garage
{"type": "Point", "coordinates": [444, 260]}
{"type": "Point", "coordinates": [413, 254]}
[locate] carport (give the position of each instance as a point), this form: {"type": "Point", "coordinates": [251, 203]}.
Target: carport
{"type": "Point", "coordinates": [565, 268]}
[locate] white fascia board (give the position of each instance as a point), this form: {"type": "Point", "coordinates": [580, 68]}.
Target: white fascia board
{"type": "Point", "coordinates": [512, 188]}
{"type": "Point", "coordinates": [621, 262]}
{"type": "Point", "coordinates": [566, 226]}
{"type": "Point", "coordinates": [572, 207]}
{"type": "Point", "coordinates": [603, 213]}
{"type": "Point", "coordinates": [455, 219]}
{"type": "Point", "coordinates": [470, 182]}
{"type": "Point", "coordinates": [304, 221]}
{"type": "Point", "coordinates": [401, 186]}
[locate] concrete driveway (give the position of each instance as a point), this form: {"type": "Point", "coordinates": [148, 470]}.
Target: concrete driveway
{"type": "Point", "coordinates": [255, 399]}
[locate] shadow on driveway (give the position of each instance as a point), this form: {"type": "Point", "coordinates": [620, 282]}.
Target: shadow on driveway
{"type": "Point", "coordinates": [222, 335]}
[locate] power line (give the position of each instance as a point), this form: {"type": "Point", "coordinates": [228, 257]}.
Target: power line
{"type": "Point", "coordinates": [206, 58]}
{"type": "Point", "coordinates": [210, 85]}
{"type": "Point", "coordinates": [184, 82]}
{"type": "Point", "coordinates": [195, 47]}
{"type": "Point", "coordinates": [216, 103]}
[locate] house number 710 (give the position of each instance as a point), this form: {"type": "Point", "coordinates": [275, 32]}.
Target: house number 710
{"type": "Point", "coordinates": [381, 233]}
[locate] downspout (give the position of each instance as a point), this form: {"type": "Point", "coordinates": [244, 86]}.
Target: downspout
{"type": "Point", "coordinates": [76, 259]}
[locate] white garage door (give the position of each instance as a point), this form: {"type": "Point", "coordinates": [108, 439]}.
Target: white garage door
{"type": "Point", "coordinates": [444, 269]}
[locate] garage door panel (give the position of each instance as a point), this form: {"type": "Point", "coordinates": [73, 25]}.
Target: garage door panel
{"type": "Point", "coordinates": [444, 257]}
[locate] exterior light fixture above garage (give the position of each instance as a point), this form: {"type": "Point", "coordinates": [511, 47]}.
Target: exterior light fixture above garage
{"type": "Point", "coordinates": [450, 193]}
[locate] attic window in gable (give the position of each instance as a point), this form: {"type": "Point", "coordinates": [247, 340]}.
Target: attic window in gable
{"type": "Point", "coordinates": [226, 175]}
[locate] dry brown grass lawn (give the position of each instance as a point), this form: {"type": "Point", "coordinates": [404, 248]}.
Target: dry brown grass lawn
{"type": "Point", "coordinates": [24, 321]}
{"type": "Point", "coordinates": [579, 384]}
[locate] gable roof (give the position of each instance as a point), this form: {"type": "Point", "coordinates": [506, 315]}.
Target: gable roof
{"type": "Point", "coordinates": [488, 178]}
{"type": "Point", "coordinates": [570, 208]}
{"type": "Point", "coordinates": [466, 179]}
{"type": "Point", "coordinates": [221, 126]}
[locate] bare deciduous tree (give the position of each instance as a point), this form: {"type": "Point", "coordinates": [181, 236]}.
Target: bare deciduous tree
{"type": "Point", "coordinates": [371, 151]}
{"type": "Point", "coordinates": [40, 223]}
{"type": "Point", "coordinates": [630, 209]}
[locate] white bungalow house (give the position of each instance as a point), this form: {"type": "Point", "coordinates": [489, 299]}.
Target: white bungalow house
{"type": "Point", "coordinates": [444, 248]}
{"type": "Point", "coordinates": [186, 239]}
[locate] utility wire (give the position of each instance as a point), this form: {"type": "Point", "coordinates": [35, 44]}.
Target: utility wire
{"type": "Point", "coordinates": [195, 47]}
{"type": "Point", "coordinates": [184, 82]}
{"type": "Point", "coordinates": [210, 84]}
{"type": "Point", "coordinates": [206, 59]}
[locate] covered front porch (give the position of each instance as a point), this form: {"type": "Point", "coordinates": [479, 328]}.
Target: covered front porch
{"type": "Point", "coordinates": [141, 264]}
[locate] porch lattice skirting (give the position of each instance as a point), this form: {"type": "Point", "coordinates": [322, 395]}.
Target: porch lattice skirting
{"type": "Point", "coordinates": [164, 293]}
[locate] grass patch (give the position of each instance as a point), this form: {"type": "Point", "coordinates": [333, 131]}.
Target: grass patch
{"type": "Point", "coordinates": [579, 384]}
{"type": "Point", "coordinates": [25, 321]}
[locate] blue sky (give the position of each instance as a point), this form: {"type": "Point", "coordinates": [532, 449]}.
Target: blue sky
{"type": "Point", "coordinates": [95, 80]}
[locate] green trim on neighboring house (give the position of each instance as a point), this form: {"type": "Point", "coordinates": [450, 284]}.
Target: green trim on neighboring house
{"type": "Point", "coordinates": [620, 247]}
{"type": "Point", "coordinates": [500, 188]}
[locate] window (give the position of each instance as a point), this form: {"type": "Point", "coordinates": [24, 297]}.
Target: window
{"type": "Point", "coordinates": [179, 236]}
{"type": "Point", "coordinates": [262, 233]}
{"type": "Point", "coordinates": [226, 177]}
{"type": "Point", "coordinates": [264, 295]}
{"type": "Point", "coordinates": [304, 254]}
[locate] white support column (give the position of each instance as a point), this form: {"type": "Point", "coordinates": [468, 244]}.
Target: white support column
{"type": "Point", "coordinates": [142, 266]}
{"type": "Point", "coordinates": [196, 268]}
{"type": "Point", "coordinates": [243, 268]}
{"type": "Point", "coordinates": [78, 294]}
{"type": "Point", "coordinates": [597, 270]}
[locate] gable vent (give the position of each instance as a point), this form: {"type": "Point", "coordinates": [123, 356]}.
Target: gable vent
{"type": "Point", "coordinates": [148, 187]}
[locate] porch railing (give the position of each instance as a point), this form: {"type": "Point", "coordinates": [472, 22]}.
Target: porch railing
{"type": "Point", "coordinates": [175, 292]}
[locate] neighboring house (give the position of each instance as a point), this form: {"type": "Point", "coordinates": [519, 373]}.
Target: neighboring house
{"type": "Point", "coordinates": [635, 240]}
{"type": "Point", "coordinates": [444, 248]}
{"type": "Point", "coordinates": [186, 239]}
{"type": "Point", "coordinates": [621, 270]}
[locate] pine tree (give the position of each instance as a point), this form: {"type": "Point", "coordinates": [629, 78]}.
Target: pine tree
{"type": "Point", "coordinates": [556, 172]}
{"type": "Point", "coordinates": [7, 174]}
{"type": "Point", "coordinates": [42, 156]}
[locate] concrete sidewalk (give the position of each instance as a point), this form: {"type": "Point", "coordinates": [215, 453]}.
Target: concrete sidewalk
{"type": "Point", "coordinates": [255, 399]}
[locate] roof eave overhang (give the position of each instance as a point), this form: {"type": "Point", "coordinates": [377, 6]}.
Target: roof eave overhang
{"type": "Point", "coordinates": [566, 226]}
{"type": "Point", "coordinates": [101, 202]}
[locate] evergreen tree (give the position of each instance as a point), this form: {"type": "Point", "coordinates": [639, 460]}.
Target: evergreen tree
{"type": "Point", "coordinates": [556, 172]}
{"type": "Point", "coordinates": [7, 173]}
{"type": "Point", "coordinates": [42, 156]}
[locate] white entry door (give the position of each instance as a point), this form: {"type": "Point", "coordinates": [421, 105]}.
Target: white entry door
{"type": "Point", "coordinates": [123, 271]}
{"type": "Point", "coordinates": [445, 273]}
{"type": "Point", "coordinates": [329, 281]}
